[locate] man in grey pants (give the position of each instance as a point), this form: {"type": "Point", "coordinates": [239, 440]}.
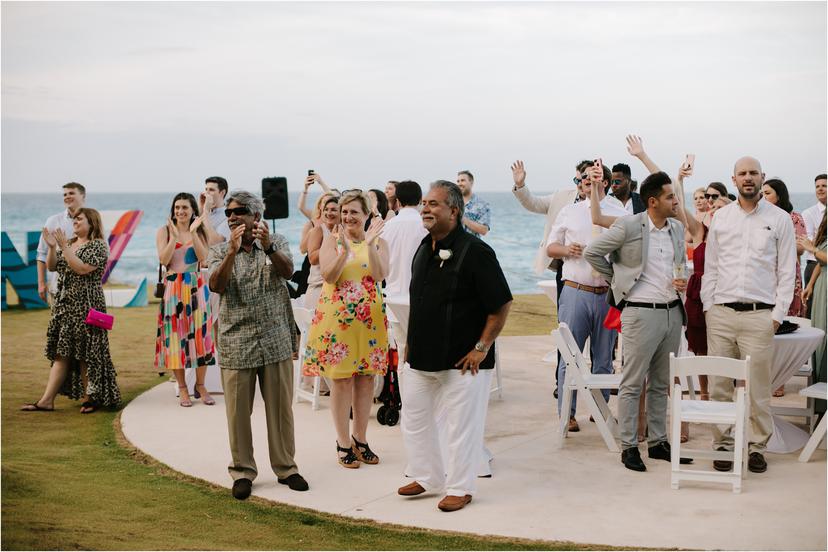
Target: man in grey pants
{"type": "Point", "coordinates": [643, 249]}
{"type": "Point", "coordinates": [256, 340]}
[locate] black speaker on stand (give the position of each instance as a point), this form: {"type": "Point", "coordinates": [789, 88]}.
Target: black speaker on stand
{"type": "Point", "coordinates": [275, 196]}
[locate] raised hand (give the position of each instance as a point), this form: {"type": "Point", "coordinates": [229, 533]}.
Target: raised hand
{"type": "Point", "coordinates": [48, 237]}
{"type": "Point", "coordinates": [262, 233]}
{"type": "Point", "coordinates": [684, 172]}
{"type": "Point", "coordinates": [236, 238]}
{"type": "Point", "coordinates": [60, 238]}
{"type": "Point", "coordinates": [518, 174]}
{"type": "Point", "coordinates": [635, 146]}
{"type": "Point", "coordinates": [596, 174]}
{"type": "Point", "coordinates": [309, 180]}
{"type": "Point", "coordinates": [374, 230]}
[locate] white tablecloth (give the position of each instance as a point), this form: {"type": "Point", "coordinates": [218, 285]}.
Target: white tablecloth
{"type": "Point", "coordinates": [790, 352]}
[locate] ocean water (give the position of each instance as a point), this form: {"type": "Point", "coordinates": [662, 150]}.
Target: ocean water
{"type": "Point", "coordinates": [515, 232]}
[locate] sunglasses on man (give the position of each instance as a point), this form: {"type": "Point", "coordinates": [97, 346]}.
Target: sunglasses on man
{"type": "Point", "coordinates": [712, 197]}
{"type": "Point", "coordinates": [577, 180]}
{"type": "Point", "coordinates": [238, 211]}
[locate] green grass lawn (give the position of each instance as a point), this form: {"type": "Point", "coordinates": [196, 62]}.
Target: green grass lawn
{"type": "Point", "coordinates": [70, 481]}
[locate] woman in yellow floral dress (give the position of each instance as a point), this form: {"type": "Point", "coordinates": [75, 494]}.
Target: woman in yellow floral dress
{"type": "Point", "coordinates": [348, 339]}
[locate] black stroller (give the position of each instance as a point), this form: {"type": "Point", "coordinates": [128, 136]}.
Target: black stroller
{"type": "Point", "coordinates": [389, 413]}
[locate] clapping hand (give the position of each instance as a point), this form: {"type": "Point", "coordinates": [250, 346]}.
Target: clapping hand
{"type": "Point", "coordinates": [197, 222]}
{"type": "Point", "coordinates": [341, 240]}
{"type": "Point", "coordinates": [172, 229]}
{"type": "Point", "coordinates": [207, 204]}
{"type": "Point", "coordinates": [262, 233]}
{"type": "Point", "coordinates": [634, 145]}
{"type": "Point", "coordinates": [60, 238]}
{"type": "Point", "coordinates": [48, 237]}
{"type": "Point", "coordinates": [805, 243]}
{"type": "Point", "coordinates": [518, 174]}
{"type": "Point", "coordinates": [374, 230]}
{"type": "Point", "coordinates": [236, 238]}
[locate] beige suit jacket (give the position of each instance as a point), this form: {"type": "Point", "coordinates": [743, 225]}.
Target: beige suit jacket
{"type": "Point", "coordinates": [549, 205]}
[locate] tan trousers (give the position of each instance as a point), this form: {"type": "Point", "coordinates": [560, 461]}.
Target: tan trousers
{"type": "Point", "coordinates": [735, 334]}
{"type": "Point", "coordinates": [276, 386]}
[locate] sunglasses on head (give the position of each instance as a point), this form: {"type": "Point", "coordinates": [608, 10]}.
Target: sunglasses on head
{"type": "Point", "coordinates": [238, 211]}
{"type": "Point", "coordinates": [712, 196]}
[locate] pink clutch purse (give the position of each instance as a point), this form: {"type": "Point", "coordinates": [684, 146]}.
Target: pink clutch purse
{"type": "Point", "coordinates": [99, 319]}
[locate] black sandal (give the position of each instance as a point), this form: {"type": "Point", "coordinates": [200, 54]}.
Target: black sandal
{"type": "Point", "coordinates": [364, 452]}
{"type": "Point", "coordinates": [34, 407]}
{"type": "Point", "coordinates": [88, 407]}
{"type": "Point", "coordinates": [350, 459]}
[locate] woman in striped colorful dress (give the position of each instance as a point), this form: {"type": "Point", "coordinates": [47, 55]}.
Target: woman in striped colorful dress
{"type": "Point", "coordinates": [184, 339]}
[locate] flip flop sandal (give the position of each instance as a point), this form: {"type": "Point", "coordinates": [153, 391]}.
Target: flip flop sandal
{"type": "Point", "coordinates": [34, 407]}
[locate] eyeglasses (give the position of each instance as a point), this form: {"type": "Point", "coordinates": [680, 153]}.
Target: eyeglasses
{"type": "Point", "coordinates": [712, 196]}
{"type": "Point", "coordinates": [238, 211]}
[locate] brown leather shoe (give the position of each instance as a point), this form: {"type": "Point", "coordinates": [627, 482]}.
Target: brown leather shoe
{"type": "Point", "coordinates": [412, 489]}
{"type": "Point", "coordinates": [454, 503]}
{"type": "Point", "coordinates": [573, 424]}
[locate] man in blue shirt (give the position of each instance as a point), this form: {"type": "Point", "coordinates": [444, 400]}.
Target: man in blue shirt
{"type": "Point", "coordinates": [478, 215]}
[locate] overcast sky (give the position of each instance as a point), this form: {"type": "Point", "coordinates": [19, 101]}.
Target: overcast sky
{"type": "Point", "coordinates": [156, 96]}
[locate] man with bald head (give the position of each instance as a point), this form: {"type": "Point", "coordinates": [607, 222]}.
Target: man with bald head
{"type": "Point", "coordinates": [748, 285]}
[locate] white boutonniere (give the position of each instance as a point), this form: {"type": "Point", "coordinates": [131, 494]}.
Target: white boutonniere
{"type": "Point", "coordinates": [444, 255]}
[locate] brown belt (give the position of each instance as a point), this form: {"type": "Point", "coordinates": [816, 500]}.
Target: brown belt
{"type": "Point", "coordinates": [596, 290]}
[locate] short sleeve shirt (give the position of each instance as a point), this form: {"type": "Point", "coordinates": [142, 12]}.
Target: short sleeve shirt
{"type": "Point", "coordinates": [256, 320]}
{"type": "Point", "coordinates": [478, 210]}
{"type": "Point", "coordinates": [451, 299]}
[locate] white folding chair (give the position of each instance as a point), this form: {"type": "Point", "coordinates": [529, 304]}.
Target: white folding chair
{"type": "Point", "coordinates": [579, 379]}
{"type": "Point", "coordinates": [709, 412]}
{"type": "Point", "coordinates": [816, 391]}
{"type": "Point", "coordinates": [303, 319]}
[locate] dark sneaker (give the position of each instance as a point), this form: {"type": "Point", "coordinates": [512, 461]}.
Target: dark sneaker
{"type": "Point", "coordinates": [242, 488]}
{"type": "Point", "coordinates": [295, 481]}
{"type": "Point", "coordinates": [756, 462]}
{"type": "Point", "coordinates": [662, 451]}
{"type": "Point", "coordinates": [632, 459]}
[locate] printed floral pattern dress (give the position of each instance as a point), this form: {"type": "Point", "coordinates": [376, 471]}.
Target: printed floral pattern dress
{"type": "Point", "coordinates": [70, 337]}
{"type": "Point", "coordinates": [184, 338]}
{"type": "Point", "coordinates": [349, 332]}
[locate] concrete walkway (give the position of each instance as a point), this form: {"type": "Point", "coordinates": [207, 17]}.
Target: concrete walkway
{"type": "Point", "coordinates": [580, 492]}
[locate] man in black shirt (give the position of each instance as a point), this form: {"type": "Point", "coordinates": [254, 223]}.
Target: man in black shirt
{"type": "Point", "coordinates": [459, 303]}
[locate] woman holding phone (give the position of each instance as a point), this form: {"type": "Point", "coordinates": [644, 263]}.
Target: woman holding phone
{"type": "Point", "coordinates": [184, 339]}
{"type": "Point", "coordinates": [81, 365]}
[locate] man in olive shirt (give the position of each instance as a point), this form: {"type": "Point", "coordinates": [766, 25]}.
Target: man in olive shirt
{"type": "Point", "coordinates": [255, 340]}
{"type": "Point", "coordinates": [459, 303]}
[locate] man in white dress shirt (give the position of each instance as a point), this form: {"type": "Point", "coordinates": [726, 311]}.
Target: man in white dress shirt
{"type": "Point", "coordinates": [813, 217]}
{"type": "Point", "coordinates": [74, 196]}
{"type": "Point", "coordinates": [403, 233]}
{"type": "Point", "coordinates": [212, 202]}
{"type": "Point", "coordinates": [582, 304]}
{"type": "Point", "coordinates": [748, 284]}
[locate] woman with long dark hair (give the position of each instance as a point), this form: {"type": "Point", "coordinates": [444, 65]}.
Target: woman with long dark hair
{"type": "Point", "coordinates": [184, 339]}
{"type": "Point", "coordinates": [81, 365]}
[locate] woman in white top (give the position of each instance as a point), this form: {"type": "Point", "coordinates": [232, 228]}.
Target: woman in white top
{"type": "Point", "coordinates": [328, 219]}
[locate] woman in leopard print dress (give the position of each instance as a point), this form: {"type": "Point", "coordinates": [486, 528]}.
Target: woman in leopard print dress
{"type": "Point", "coordinates": [81, 365]}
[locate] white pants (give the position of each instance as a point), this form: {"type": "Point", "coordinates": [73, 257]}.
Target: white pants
{"type": "Point", "coordinates": [464, 400]}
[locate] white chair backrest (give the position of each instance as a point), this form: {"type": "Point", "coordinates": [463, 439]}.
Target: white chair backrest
{"type": "Point", "coordinates": [802, 322]}
{"type": "Point", "coordinates": [400, 312]}
{"type": "Point", "coordinates": [709, 365]}
{"type": "Point", "coordinates": [569, 349]}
